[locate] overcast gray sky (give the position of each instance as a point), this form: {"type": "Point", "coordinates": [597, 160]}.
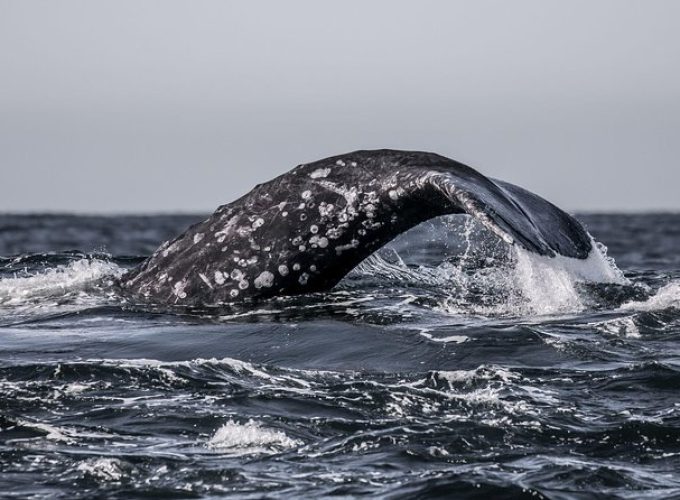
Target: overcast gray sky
{"type": "Point", "coordinates": [154, 106]}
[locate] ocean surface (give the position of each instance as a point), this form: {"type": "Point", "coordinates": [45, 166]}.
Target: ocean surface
{"type": "Point", "coordinates": [449, 365]}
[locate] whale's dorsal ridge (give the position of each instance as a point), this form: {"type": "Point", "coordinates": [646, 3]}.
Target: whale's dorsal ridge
{"type": "Point", "coordinates": [306, 229]}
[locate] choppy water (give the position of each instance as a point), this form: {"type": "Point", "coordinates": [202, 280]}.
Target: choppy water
{"type": "Point", "coordinates": [447, 367]}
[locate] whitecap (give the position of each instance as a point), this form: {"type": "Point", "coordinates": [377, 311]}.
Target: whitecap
{"type": "Point", "coordinates": [104, 469]}
{"type": "Point", "coordinates": [250, 439]}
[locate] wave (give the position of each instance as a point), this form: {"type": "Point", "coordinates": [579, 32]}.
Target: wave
{"type": "Point", "coordinates": [162, 424]}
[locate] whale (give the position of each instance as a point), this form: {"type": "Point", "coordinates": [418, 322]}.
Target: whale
{"type": "Point", "coordinates": [303, 231]}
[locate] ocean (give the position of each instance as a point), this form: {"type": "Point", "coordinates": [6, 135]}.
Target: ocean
{"type": "Point", "coordinates": [448, 365]}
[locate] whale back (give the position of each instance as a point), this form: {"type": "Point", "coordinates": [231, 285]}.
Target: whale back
{"type": "Point", "coordinates": [305, 230]}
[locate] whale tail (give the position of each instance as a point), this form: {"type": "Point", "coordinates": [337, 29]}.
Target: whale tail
{"type": "Point", "coordinates": [305, 230]}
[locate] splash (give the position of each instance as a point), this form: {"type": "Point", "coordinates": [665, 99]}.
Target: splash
{"type": "Point", "coordinates": [73, 280]}
{"type": "Point", "coordinates": [489, 278]}
{"type": "Point", "coordinates": [535, 285]}
{"type": "Point", "coordinates": [550, 285]}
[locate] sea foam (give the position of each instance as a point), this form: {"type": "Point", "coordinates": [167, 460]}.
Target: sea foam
{"type": "Point", "coordinates": [250, 439]}
{"type": "Point", "coordinates": [54, 283]}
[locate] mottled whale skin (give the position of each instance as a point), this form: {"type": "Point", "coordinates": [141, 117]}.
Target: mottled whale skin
{"type": "Point", "coordinates": [304, 230]}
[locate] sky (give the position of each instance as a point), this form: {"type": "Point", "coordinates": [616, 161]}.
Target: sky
{"type": "Point", "coordinates": [180, 106]}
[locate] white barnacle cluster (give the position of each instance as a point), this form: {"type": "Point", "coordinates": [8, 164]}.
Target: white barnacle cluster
{"type": "Point", "coordinates": [326, 210]}
{"type": "Point", "coordinates": [396, 193]}
{"type": "Point", "coordinates": [320, 173]}
{"type": "Point", "coordinates": [358, 201]}
{"type": "Point", "coordinates": [222, 234]}
{"type": "Point", "coordinates": [343, 163]}
{"type": "Point", "coordinates": [334, 233]}
{"type": "Point", "coordinates": [171, 249]}
{"type": "Point", "coordinates": [244, 231]}
{"type": "Point", "coordinates": [219, 277]}
{"type": "Point", "coordinates": [247, 231]}
{"type": "Point", "coordinates": [317, 241]}
{"type": "Point", "coordinates": [264, 280]}
{"type": "Point", "coordinates": [178, 289]}
{"type": "Point", "coordinates": [244, 261]}
{"type": "Point", "coordinates": [370, 224]}
{"type": "Point", "coordinates": [236, 278]}
{"type": "Point", "coordinates": [335, 220]}
{"type": "Point", "coordinates": [369, 205]}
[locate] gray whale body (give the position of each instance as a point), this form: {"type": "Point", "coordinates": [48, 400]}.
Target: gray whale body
{"type": "Point", "coordinates": [305, 230]}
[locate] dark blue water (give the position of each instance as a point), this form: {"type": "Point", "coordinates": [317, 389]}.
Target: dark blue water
{"type": "Point", "coordinates": [451, 366]}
